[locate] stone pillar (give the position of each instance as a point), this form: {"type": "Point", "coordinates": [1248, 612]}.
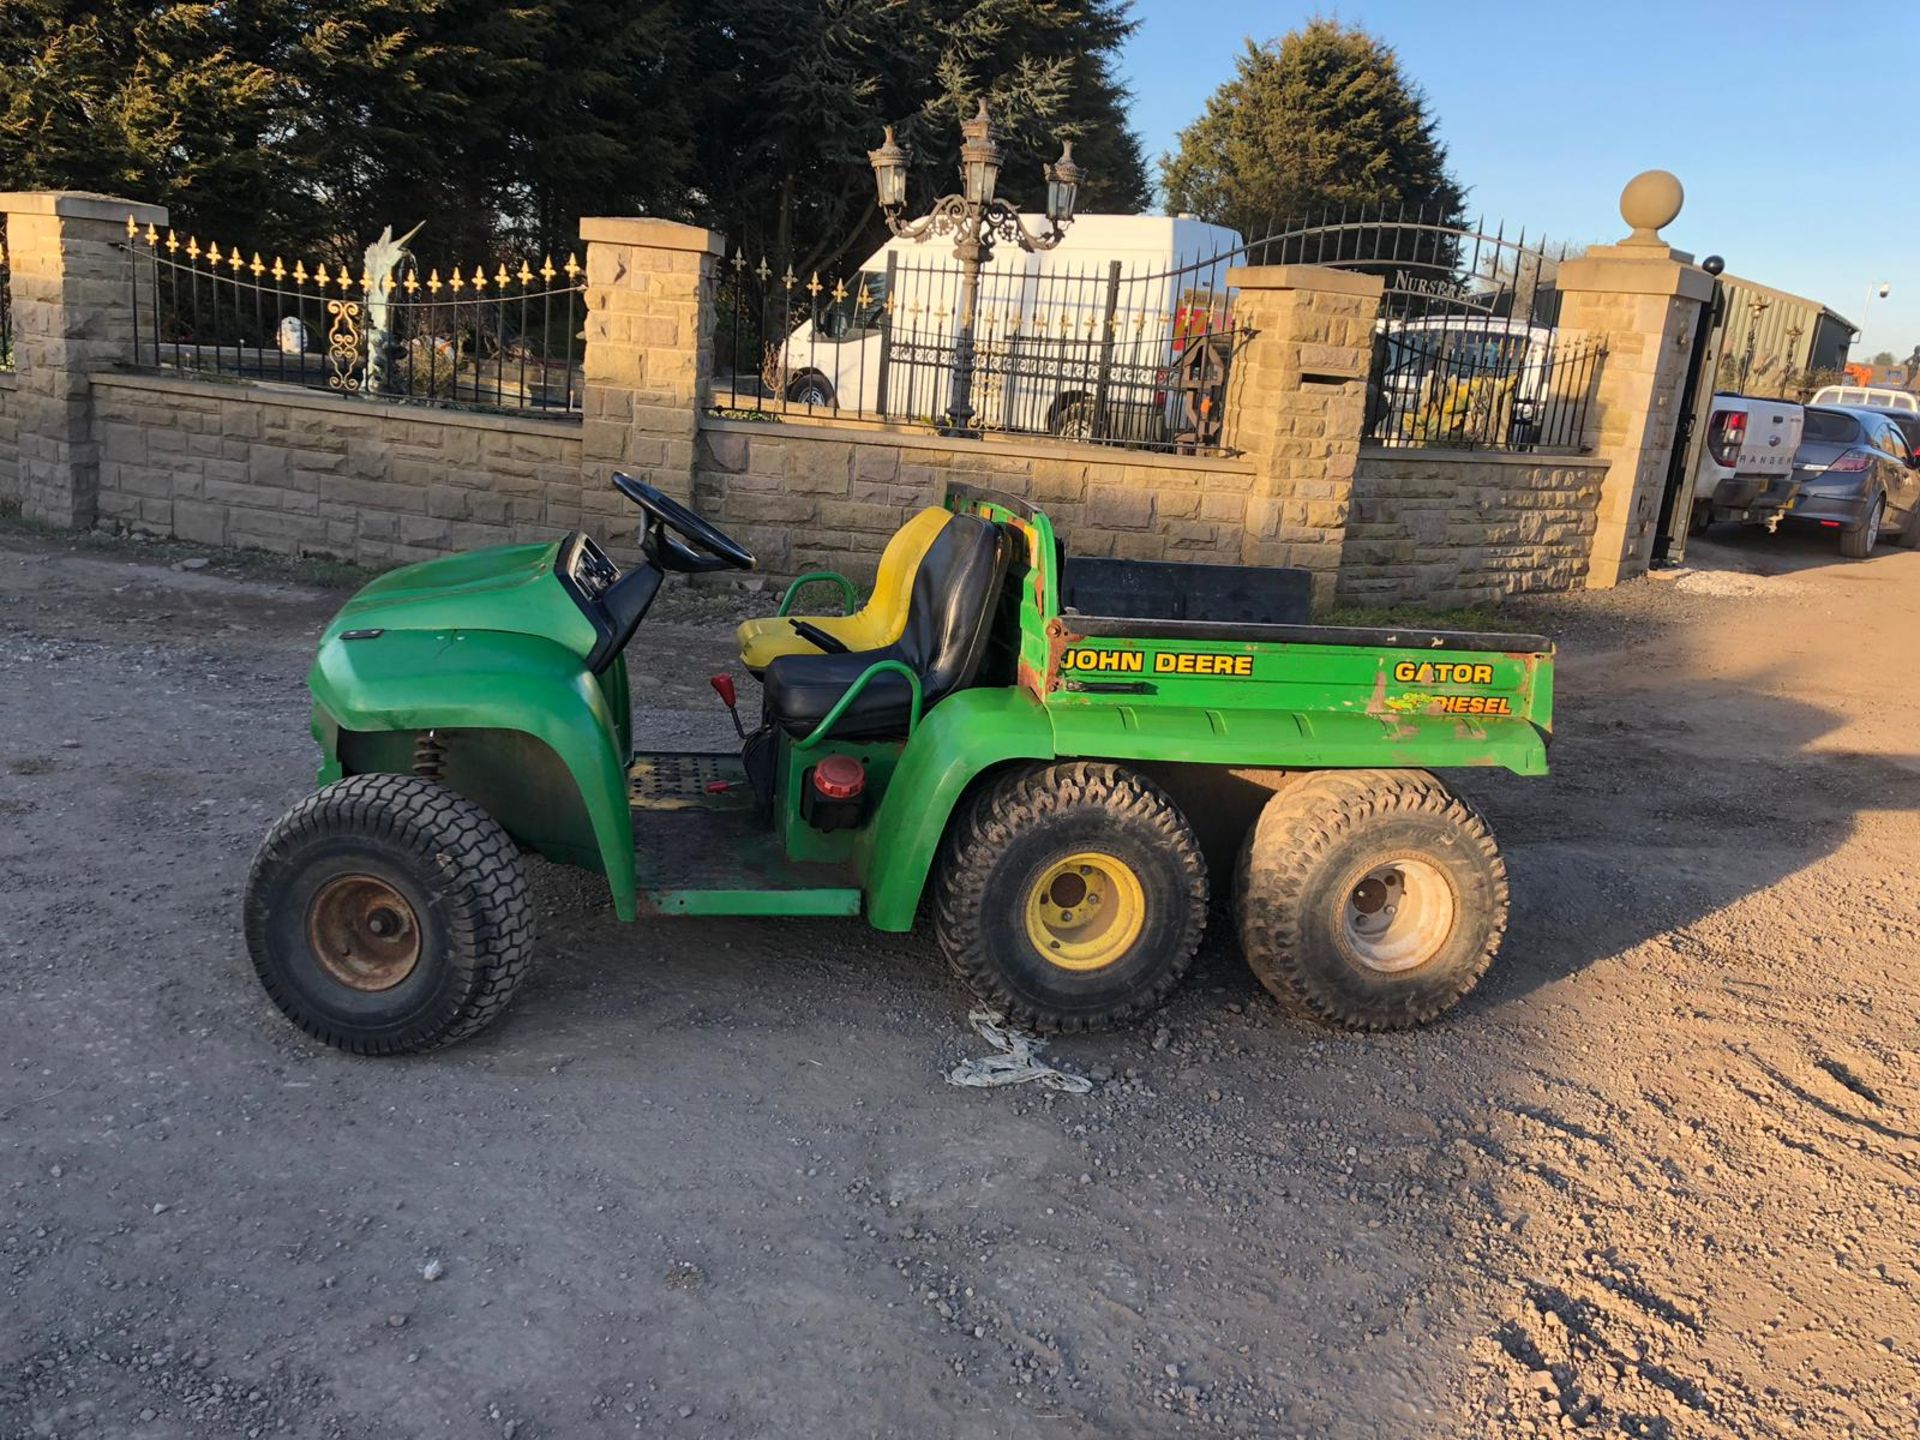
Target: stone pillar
{"type": "Point", "coordinates": [1645, 300]}
{"type": "Point", "coordinates": [72, 315]}
{"type": "Point", "coordinates": [648, 366]}
{"type": "Point", "coordinates": [1296, 407]}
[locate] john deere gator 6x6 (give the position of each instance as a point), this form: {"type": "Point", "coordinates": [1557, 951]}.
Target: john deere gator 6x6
{"type": "Point", "coordinates": [1061, 763]}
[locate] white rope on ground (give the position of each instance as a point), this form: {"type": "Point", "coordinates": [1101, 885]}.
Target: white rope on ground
{"type": "Point", "coordinates": [1016, 1063]}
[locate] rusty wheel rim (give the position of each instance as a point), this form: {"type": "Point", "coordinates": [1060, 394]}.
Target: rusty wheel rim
{"type": "Point", "coordinates": [363, 932]}
{"type": "Point", "coordinates": [1398, 914]}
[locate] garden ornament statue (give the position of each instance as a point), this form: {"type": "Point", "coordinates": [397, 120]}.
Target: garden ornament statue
{"type": "Point", "coordinates": [383, 257]}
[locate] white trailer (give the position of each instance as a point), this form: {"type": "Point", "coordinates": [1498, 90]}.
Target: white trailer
{"type": "Point", "coordinates": [1091, 322]}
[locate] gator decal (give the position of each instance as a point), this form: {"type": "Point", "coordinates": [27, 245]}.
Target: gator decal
{"type": "Point", "coordinates": [1442, 672]}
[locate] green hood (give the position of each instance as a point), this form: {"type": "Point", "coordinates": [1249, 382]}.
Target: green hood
{"type": "Point", "coordinates": [510, 588]}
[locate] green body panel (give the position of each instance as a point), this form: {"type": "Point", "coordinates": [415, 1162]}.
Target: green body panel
{"type": "Point", "coordinates": [961, 738]}
{"type": "Point", "coordinates": [1296, 739]}
{"type": "Point", "coordinates": [487, 680]}
{"type": "Point", "coordinates": [818, 903]}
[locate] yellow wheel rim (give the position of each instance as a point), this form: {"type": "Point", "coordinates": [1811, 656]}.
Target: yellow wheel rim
{"type": "Point", "coordinates": [1085, 912]}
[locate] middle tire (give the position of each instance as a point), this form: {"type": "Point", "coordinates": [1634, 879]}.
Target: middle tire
{"type": "Point", "coordinates": [1071, 896]}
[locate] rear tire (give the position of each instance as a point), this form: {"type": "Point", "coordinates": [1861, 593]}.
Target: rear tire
{"type": "Point", "coordinates": [1858, 544]}
{"type": "Point", "coordinates": [387, 915]}
{"type": "Point", "coordinates": [1370, 899]}
{"type": "Point", "coordinates": [1702, 518]}
{"type": "Point", "coordinates": [1071, 896]}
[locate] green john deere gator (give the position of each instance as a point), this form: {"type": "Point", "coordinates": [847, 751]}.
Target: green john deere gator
{"type": "Point", "coordinates": [1063, 761]}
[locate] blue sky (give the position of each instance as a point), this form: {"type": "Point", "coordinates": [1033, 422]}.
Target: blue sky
{"type": "Point", "coordinates": [1793, 126]}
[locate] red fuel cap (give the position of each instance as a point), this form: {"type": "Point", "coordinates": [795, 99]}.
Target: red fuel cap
{"type": "Point", "coordinates": [839, 777]}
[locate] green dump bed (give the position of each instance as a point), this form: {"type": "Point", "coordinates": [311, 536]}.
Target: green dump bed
{"type": "Point", "coordinates": [1259, 684]}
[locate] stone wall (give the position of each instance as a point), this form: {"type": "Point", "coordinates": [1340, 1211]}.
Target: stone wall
{"type": "Point", "coordinates": [10, 490]}
{"type": "Point", "coordinates": [289, 470]}
{"type": "Point", "coordinates": [85, 438]}
{"type": "Point", "coordinates": [1454, 528]}
{"type": "Point", "coordinates": [806, 497]}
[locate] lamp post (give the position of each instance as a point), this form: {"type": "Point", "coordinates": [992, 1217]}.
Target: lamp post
{"type": "Point", "coordinates": [1874, 292]}
{"type": "Point", "coordinates": [977, 220]}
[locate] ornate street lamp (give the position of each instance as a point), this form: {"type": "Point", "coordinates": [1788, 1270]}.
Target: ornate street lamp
{"type": "Point", "coordinates": [977, 220]}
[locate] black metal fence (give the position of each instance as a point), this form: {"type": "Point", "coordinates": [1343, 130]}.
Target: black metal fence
{"type": "Point", "coordinates": [6, 300]}
{"type": "Point", "coordinates": [1094, 350]}
{"type": "Point", "coordinates": [1467, 351]}
{"type": "Point", "coordinates": [507, 340]}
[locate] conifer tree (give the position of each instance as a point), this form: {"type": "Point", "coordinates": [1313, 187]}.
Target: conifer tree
{"type": "Point", "coordinates": [1320, 119]}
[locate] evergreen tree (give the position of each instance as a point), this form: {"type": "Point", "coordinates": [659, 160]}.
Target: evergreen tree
{"type": "Point", "coordinates": [1322, 118]}
{"type": "Point", "coordinates": [305, 126]}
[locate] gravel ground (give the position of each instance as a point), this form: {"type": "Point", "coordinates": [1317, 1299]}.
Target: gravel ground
{"type": "Point", "coordinates": [1657, 1178]}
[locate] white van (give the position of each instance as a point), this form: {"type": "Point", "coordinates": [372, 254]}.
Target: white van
{"type": "Point", "coordinates": [1043, 339]}
{"type": "Point", "coordinates": [1870, 397]}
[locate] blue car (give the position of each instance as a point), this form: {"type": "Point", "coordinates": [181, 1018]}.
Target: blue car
{"type": "Point", "coordinates": [1858, 475]}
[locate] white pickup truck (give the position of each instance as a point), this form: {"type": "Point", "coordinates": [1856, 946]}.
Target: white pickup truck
{"type": "Point", "coordinates": [1746, 466]}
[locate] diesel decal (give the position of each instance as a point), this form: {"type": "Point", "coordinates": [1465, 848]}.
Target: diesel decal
{"type": "Point", "coordinates": [1126, 662]}
{"type": "Point", "coordinates": [1442, 672]}
{"type": "Point", "coordinates": [1472, 705]}
{"type": "Point", "coordinates": [1186, 662]}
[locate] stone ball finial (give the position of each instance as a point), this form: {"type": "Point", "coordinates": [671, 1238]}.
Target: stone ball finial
{"type": "Point", "coordinates": [1649, 203]}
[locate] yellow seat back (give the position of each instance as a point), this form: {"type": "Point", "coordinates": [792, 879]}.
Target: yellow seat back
{"type": "Point", "coordinates": [874, 625]}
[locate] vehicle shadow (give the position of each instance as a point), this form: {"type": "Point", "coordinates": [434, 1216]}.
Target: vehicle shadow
{"type": "Point", "coordinates": [1668, 802]}
{"type": "Point", "coordinates": [1751, 550]}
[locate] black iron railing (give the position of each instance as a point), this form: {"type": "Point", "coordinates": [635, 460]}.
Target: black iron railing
{"type": "Point", "coordinates": [1091, 350]}
{"type": "Point", "coordinates": [506, 339]}
{"type": "Point", "coordinates": [6, 300]}
{"type": "Point", "coordinates": [1467, 350]}
{"type": "Point", "coordinates": [1467, 347]}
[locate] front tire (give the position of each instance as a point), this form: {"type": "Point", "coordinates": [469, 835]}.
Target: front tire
{"type": "Point", "coordinates": [387, 915]}
{"type": "Point", "coordinates": [1370, 899]}
{"type": "Point", "coordinates": [1071, 896]}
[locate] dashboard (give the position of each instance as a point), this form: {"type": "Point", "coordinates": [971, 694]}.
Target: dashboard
{"type": "Point", "coordinates": [587, 566]}
{"type": "Point", "coordinates": [613, 603]}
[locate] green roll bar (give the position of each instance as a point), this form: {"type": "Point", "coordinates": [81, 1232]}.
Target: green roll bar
{"type": "Point", "coordinates": [853, 693]}
{"type": "Point", "coordinates": [819, 577]}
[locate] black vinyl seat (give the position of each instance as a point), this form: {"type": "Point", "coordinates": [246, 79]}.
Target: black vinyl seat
{"type": "Point", "coordinates": [949, 613]}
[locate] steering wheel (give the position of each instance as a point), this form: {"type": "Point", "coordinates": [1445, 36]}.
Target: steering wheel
{"type": "Point", "coordinates": [710, 549]}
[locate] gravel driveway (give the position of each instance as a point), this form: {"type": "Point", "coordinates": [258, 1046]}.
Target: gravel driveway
{"type": "Point", "coordinates": [1658, 1178]}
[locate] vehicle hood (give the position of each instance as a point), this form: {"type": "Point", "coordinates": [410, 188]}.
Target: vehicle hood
{"type": "Point", "coordinates": [509, 588]}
